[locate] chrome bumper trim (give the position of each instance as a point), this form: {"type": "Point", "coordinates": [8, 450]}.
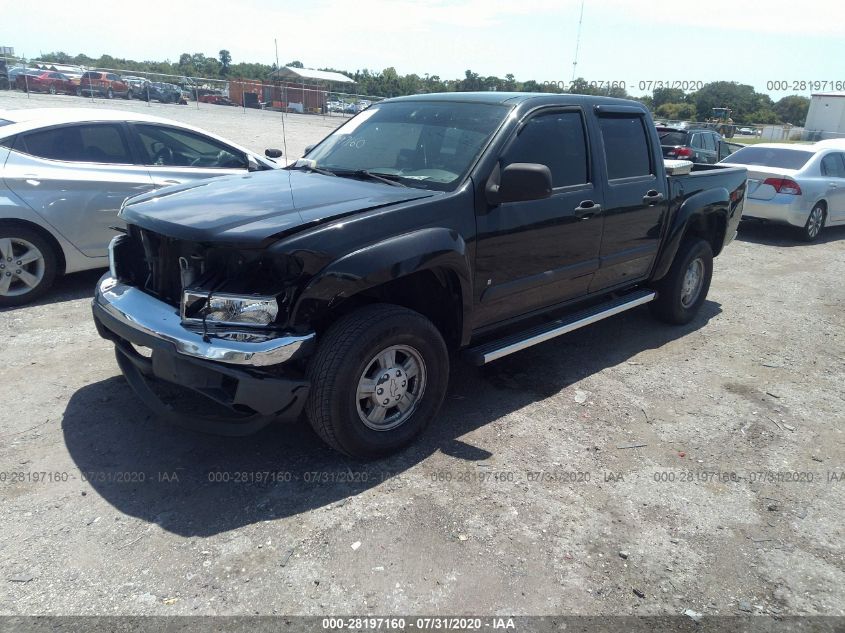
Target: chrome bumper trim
{"type": "Point", "coordinates": [146, 314]}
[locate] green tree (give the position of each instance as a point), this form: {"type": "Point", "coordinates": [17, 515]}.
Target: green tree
{"type": "Point", "coordinates": [676, 111]}
{"type": "Point", "coordinates": [742, 99]}
{"type": "Point", "coordinates": [793, 109]}
{"type": "Point", "coordinates": [667, 95]}
{"type": "Point", "coordinates": [295, 64]}
{"type": "Point", "coordinates": [225, 61]}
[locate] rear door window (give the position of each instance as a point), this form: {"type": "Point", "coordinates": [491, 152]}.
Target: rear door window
{"type": "Point", "coordinates": [833, 166]}
{"type": "Point", "coordinates": [626, 149]}
{"type": "Point", "coordinates": [93, 143]}
{"type": "Point", "coordinates": [709, 142]}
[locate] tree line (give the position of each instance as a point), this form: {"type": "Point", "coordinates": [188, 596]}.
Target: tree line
{"type": "Point", "coordinates": [747, 105]}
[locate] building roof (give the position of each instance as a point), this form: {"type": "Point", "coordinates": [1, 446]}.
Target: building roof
{"type": "Point", "coordinates": [310, 74]}
{"type": "Point", "coordinates": [828, 94]}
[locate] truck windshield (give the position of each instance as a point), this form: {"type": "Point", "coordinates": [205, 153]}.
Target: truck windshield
{"type": "Point", "coordinates": [431, 145]}
{"type": "Point", "coordinates": [770, 157]}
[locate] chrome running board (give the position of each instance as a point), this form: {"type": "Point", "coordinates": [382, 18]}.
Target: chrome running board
{"type": "Point", "coordinates": [488, 352]}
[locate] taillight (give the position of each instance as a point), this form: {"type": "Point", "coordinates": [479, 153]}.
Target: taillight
{"type": "Point", "coordinates": [784, 185]}
{"type": "Point", "coordinates": [683, 152]}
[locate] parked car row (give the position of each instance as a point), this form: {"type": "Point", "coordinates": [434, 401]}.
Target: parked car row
{"type": "Point", "coordinates": [348, 108]}
{"type": "Point", "coordinates": [97, 83]}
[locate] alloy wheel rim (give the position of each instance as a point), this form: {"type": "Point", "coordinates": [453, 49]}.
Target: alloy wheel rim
{"type": "Point", "coordinates": [814, 224]}
{"type": "Point", "coordinates": [693, 280]}
{"type": "Point", "coordinates": [390, 388]}
{"type": "Point", "coordinates": [22, 266]}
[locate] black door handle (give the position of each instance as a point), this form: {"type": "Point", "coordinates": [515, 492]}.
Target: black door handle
{"type": "Point", "coordinates": [652, 197]}
{"type": "Point", "coordinates": [587, 209]}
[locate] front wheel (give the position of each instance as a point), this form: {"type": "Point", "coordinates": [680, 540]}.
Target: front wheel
{"type": "Point", "coordinates": [378, 378]}
{"type": "Point", "coordinates": [814, 225]}
{"type": "Point", "coordinates": [110, 94]}
{"type": "Point", "coordinates": [52, 89]}
{"type": "Point", "coordinates": [683, 290]}
{"type": "Point", "coordinates": [28, 265]}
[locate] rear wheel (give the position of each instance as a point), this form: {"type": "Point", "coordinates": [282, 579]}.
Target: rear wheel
{"type": "Point", "coordinates": [377, 380]}
{"type": "Point", "coordinates": [28, 265]}
{"type": "Point", "coordinates": [683, 290]}
{"type": "Point", "coordinates": [814, 225]}
{"type": "Point", "coordinates": [110, 94]}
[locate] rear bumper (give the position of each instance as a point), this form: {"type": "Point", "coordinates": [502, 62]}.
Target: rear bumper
{"type": "Point", "coordinates": [248, 378]}
{"type": "Point", "coordinates": [783, 209]}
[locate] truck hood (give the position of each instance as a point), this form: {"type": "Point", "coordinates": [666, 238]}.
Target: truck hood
{"type": "Point", "coordinates": [258, 207]}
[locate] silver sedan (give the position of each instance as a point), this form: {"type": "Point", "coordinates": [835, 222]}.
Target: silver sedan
{"type": "Point", "coordinates": [799, 185]}
{"type": "Point", "coordinates": [65, 172]}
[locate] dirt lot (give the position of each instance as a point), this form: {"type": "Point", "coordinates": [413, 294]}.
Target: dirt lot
{"type": "Point", "coordinates": [527, 496]}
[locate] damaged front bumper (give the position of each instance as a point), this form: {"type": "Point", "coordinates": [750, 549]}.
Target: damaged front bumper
{"type": "Point", "coordinates": [241, 370]}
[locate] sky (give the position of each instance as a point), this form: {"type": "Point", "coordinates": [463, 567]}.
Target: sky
{"type": "Point", "coordinates": [631, 41]}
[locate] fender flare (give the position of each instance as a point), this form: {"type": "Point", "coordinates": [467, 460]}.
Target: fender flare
{"type": "Point", "coordinates": [710, 203]}
{"type": "Point", "coordinates": [385, 261]}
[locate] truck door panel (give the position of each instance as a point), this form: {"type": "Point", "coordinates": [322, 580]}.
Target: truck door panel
{"type": "Point", "coordinates": [537, 253]}
{"type": "Point", "coordinates": [635, 201]}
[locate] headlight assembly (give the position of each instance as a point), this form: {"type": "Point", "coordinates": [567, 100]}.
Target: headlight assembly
{"type": "Point", "coordinates": [221, 308]}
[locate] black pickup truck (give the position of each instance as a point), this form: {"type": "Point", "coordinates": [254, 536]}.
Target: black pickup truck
{"type": "Point", "coordinates": [337, 287]}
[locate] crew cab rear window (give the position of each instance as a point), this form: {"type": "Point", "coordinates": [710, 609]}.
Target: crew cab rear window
{"type": "Point", "coordinates": [95, 143]}
{"type": "Point", "coordinates": [557, 141]}
{"type": "Point", "coordinates": [626, 149]}
{"type": "Point", "coordinates": [771, 157]}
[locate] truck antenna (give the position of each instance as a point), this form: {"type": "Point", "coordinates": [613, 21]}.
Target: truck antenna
{"type": "Point", "coordinates": [284, 136]}
{"type": "Point", "coordinates": [577, 41]}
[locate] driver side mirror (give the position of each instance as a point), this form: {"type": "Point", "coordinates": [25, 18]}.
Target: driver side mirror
{"type": "Point", "coordinates": [308, 149]}
{"type": "Point", "coordinates": [519, 182]}
{"type": "Point", "coordinates": [273, 153]}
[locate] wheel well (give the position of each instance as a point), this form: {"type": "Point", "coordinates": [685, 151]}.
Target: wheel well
{"type": "Point", "coordinates": [434, 293]}
{"type": "Point", "coordinates": [711, 228]}
{"type": "Point", "coordinates": [57, 248]}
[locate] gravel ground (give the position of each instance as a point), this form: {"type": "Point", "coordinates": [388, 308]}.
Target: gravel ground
{"type": "Point", "coordinates": [628, 468]}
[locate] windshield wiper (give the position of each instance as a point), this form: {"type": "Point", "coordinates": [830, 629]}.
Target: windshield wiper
{"type": "Point", "coordinates": [363, 173]}
{"type": "Point", "coordinates": [314, 168]}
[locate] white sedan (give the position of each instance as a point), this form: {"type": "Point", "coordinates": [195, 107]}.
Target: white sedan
{"type": "Point", "coordinates": [65, 172]}
{"type": "Point", "coordinates": [799, 185]}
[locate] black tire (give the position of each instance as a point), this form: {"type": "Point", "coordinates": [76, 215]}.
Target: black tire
{"type": "Point", "coordinates": [16, 295]}
{"type": "Point", "coordinates": [110, 94]}
{"type": "Point", "coordinates": [674, 304]}
{"type": "Point", "coordinates": [351, 346]}
{"type": "Point", "coordinates": [815, 223]}
{"type": "Point", "coordinates": [52, 89]}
